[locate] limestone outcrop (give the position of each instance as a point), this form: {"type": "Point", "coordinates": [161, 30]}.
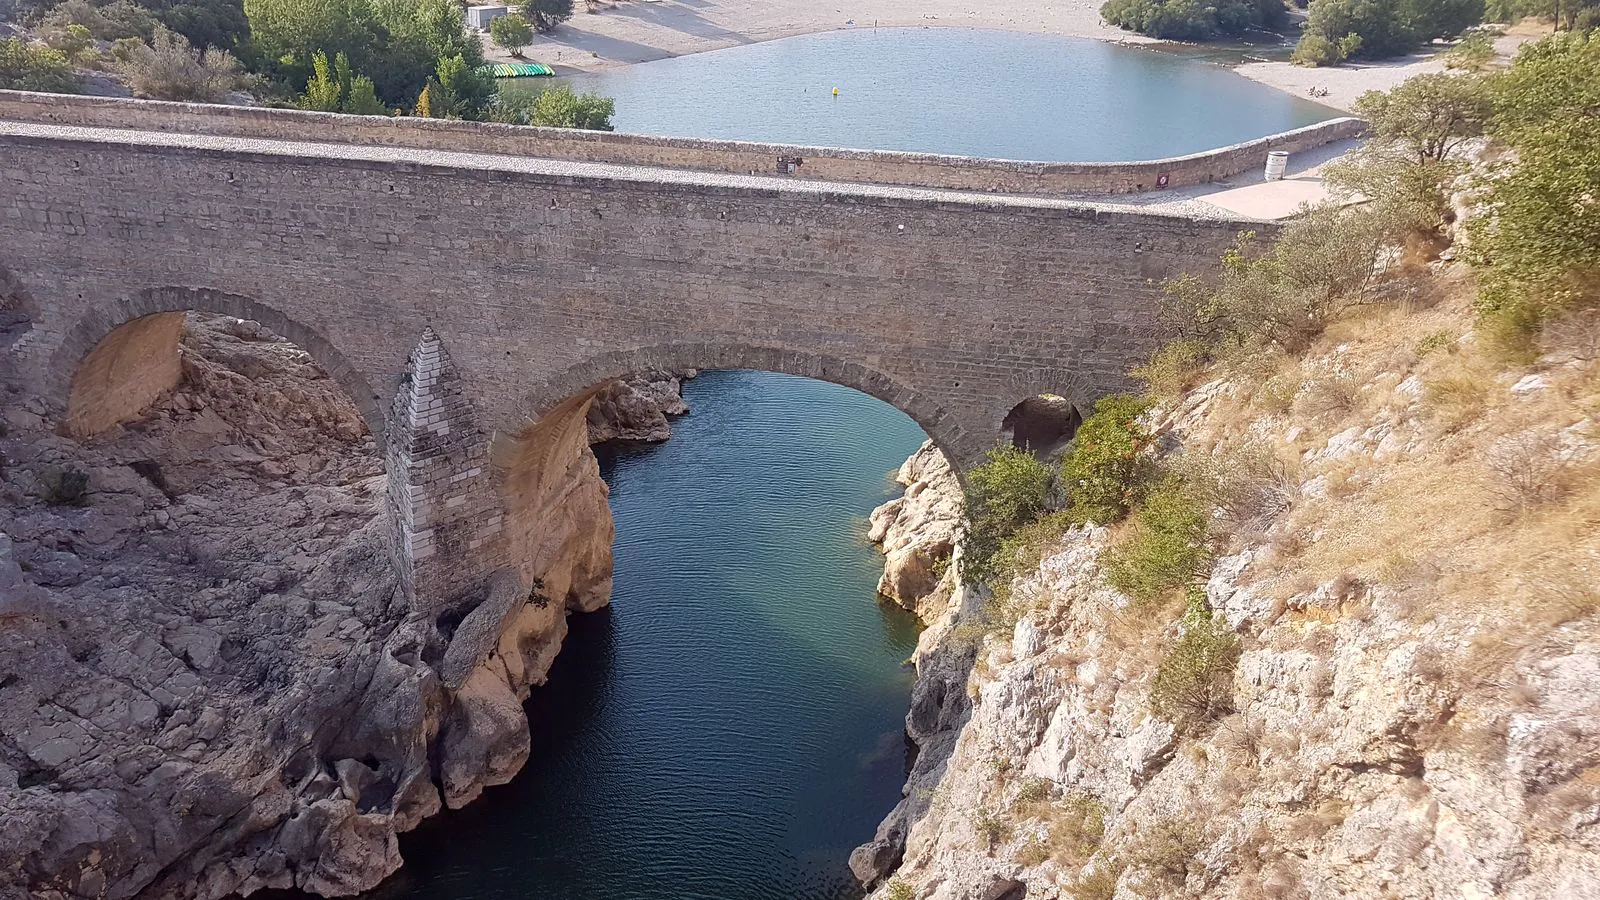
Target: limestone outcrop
{"type": "Point", "coordinates": [209, 680]}
{"type": "Point", "coordinates": [917, 530]}
{"type": "Point", "coordinates": [1409, 586]}
{"type": "Point", "coordinates": [638, 408]}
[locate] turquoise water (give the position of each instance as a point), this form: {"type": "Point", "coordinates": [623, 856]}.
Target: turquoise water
{"type": "Point", "coordinates": [734, 724]}
{"type": "Point", "coordinates": [944, 90]}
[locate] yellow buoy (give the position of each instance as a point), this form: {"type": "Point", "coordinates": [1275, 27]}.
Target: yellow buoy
{"type": "Point", "coordinates": [836, 92]}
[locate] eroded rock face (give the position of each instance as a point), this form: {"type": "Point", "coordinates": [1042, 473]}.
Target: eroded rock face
{"type": "Point", "coordinates": [917, 531]}
{"type": "Point", "coordinates": [1383, 738]}
{"type": "Point", "coordinates": [638, 407]}
{"type": "Point", "coordinates": [209, 681]}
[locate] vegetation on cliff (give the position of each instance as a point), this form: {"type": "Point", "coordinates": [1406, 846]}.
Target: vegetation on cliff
{"type": "Point", "coordinates": [1324, 630]}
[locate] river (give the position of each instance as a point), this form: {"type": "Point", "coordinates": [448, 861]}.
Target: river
{"type": "Point", "coordinates": [733, 725]}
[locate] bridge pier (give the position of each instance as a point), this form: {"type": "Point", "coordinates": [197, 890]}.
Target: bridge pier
{"type": "Point", "coordinates": [449, 522]}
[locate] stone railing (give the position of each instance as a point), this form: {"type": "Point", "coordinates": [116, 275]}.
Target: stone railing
{"type": "Point", "coordinates": [735, 157]}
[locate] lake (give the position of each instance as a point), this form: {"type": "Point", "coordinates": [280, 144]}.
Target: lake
{"type": "Point", "coordinates": [943, 90]}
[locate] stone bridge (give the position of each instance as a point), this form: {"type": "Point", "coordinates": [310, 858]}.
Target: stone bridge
{"type": "Point", "coordinates": [470, 302]}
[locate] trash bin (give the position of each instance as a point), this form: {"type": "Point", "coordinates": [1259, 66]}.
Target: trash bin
{"type": "Point", "coordinates": [1277, 164]}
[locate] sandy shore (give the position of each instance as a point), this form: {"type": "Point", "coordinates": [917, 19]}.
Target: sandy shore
{"type": "Point", "coordinates": [610, 34]}
{"type": "Point", "coordinates": [633, 31]}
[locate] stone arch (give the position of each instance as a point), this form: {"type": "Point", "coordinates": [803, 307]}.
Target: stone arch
{"type": "Point", "coordinates": [1041, 424]}
{"type": "Point", "coordinates": [572, 387]}
{"type": "Point", "coordinates": [557, 525]}
{"type": "Point", "coordinates": [124, 345]}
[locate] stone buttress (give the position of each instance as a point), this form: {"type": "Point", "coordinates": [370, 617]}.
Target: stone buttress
{"type": "Point", "coordinates": [441, 488]}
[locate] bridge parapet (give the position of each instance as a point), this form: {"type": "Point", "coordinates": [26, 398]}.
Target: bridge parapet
{"type": "Point", "coordinates": [736, 157]}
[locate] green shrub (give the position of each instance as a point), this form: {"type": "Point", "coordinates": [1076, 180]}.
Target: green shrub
{"type": "Point", "coordinates": [1035, 790]}
{"type": "Point", "coordinates": [33, 67]}
{"type": "Point", "coordinates": [556, 107]}
{"type": "Point", "coordinates": [1004, 493]}
{"type": "Point", "coordinates": [1475, 53]}
{"type": "Point", "coordinates": [1166, 548]}
{"type": "Point", "coordinates": [1077, 826]}
{"type": "Point", "coordinates": [65, 487]}
{"type": "Point", "coordinates": [898, 890]}
{"type": "Point", "coordinates": [1100, 883]}
{"type": "Point", "coordinates": [110, 22]}
{"type": "Point", "coordinates": [1106, 466]}
{"type": "Point", "coordinates": [1315, 51]}
{"type": "Point", "coordinates": [1173, 367]}
{"type": "Point", "coordinates": [168, 68]}
{"type": "Point", "coordinates": [1193, 683]}
{"type": "Point", "coordinates": [1324, 261]}
{"type": "Point", "coordinates": [990, 828]}
{"type": "Point", "coordinates": [1434, 341]}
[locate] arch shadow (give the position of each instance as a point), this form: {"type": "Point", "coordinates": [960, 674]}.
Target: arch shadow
{"type": "Point", "coordinates": [101, 321]}
{"type": "Point", "coordinates": [583, 379]}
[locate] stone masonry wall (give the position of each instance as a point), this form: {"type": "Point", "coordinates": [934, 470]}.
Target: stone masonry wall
{"type": "Point", "coordinates": [440, 484]}
{"type": "Point", "coordinates": [543, 278]}
{"type": "Point", "coordinates": [737, 157]}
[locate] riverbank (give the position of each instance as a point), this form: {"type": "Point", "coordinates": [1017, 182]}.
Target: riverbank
{"type": "Point", "coordinates": [634, 31]}
{"type": "Point", "coordinates": [611, 35]}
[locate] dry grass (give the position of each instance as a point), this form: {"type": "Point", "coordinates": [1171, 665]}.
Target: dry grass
{"type": "Point", "coordinates": [1527, 470]}
{"type": "Point", "coordinates": [1073, 828]}
{"type": "Point", "coordinates": [1478, 520]}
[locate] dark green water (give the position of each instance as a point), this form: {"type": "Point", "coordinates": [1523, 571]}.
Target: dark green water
{"type": "Point", "coordinates": [951, 90]}
{"type": "Point", "coordinates": [733, 725]}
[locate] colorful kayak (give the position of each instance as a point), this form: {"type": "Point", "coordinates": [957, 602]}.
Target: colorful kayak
{"type": "Point", "coordinates": [517, 70]}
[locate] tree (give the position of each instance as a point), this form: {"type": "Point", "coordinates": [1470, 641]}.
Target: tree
{"type": "Point", "coordinates": [1537, 243]}
{"type": "Point", "coordinates": [511, 33]}
{"type": "Point", "coordinates": [205, 23]}
{"type": "Point", "coordinates": [362, 98]}
{"type": "Point", "coordinates": [1192, 19]}
{"type": "Point", "coordinates": [458, 91]}
{"type": "Point", "coordinates": [547, 14]}
{"type": "Point", "coordinates": [1380, 28]}
{"type": "Point", "coordinates": [33, 67]}
{"type": "Point", "coordinates": [1569, 15]}
{"type": "Point", "coordinates": [1428, 116]}
{"type": "Point", "coordinates": [325, 91]}
{"type": "Point", "coordinates": [169, 69]}
{"type": "Point", "coordinates": [336, 89]}
{"type": "Point", "coordinates": [398, 44]}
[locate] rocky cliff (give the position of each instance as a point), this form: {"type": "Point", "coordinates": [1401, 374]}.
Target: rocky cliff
{"type": "Point", "coordinates": [1404, 627]}
{"type": "Point", "coordinates": [209, 683]}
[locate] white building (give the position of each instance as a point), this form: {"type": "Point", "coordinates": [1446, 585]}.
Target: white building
{"type": "Point", "coordinates": [479, 17]}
